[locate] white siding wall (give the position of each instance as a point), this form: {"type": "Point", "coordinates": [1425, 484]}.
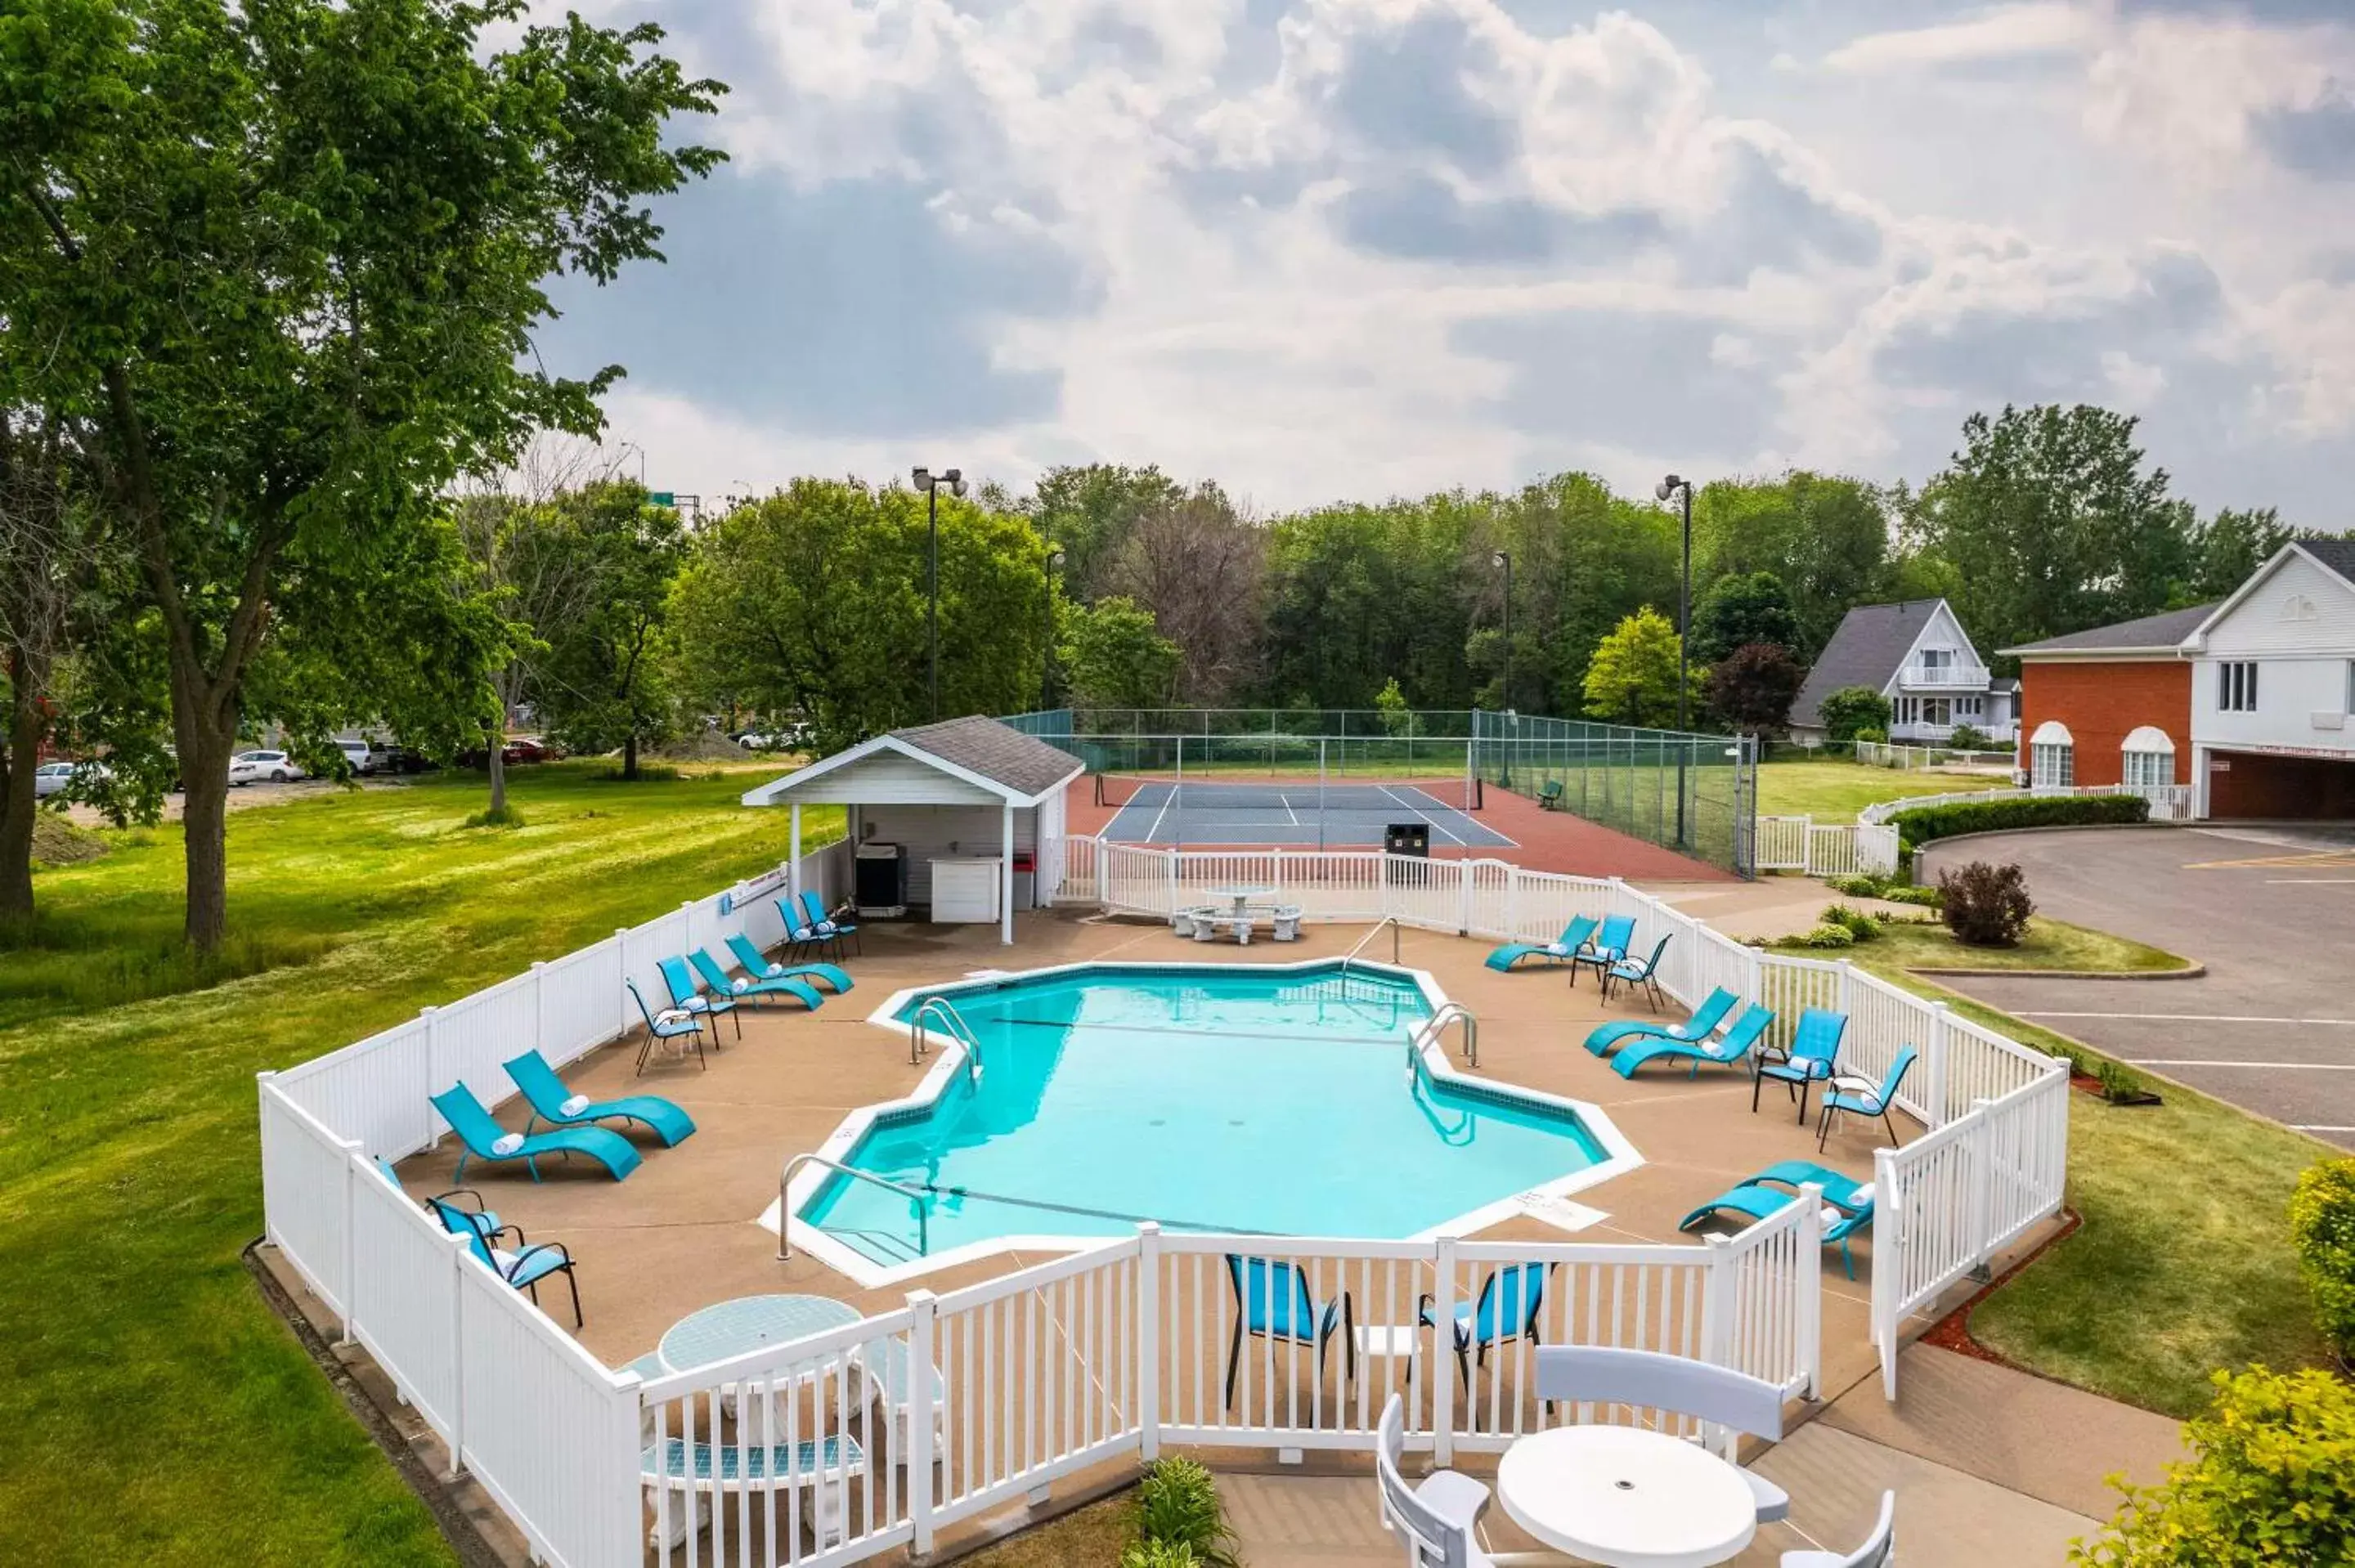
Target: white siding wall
{"type": "Point", "coordinates": [2267, 623]}
{"type": "Point", "coordinates": [944, 832]}
{"type": "Point", "coordinates": [898, 777]}
{"type": "Point", "coordinates": [2298, 627]}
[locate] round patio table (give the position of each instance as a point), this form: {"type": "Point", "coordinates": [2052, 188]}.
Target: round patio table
{"type": "Point", "coordinates": [1241, 896]}
{"type": "Point", "coordinates": [1627, 1496]}
{"type": "Point", "coordinates": [727, 1328]}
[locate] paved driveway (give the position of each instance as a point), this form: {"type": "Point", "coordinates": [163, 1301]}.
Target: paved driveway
{"type": "Point", "coordinates": [2271, 913]}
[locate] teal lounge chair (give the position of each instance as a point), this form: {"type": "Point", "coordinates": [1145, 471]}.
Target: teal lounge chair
{"type": "Point", "coordinates": [552, 1103]}
{"type": "Point", "coordinates": [1752, 1199]}
{"type": "Point", "coordinates": [1560, 951]}
{"type": "Point", "coordinates": [461, 1200]}
{"type": "Point", "coordinates": [745, 988]}
{"type": "Point", "coordinates": [1732, 1051]}
{"type": "Point", "coordinates": [671, 1023]}
{"type": "Point", "coordinates": [1645, 972]}
{"type": "Point", "coordinates": [1812, 1058]}
{"type": "Point", "coordinates": [525, 1267]}
{"type": "Point", "coordinates": [1609, 1037]}
{"type": "Point", "coordinates": [1608, 947]}
{"type": "Point", "coordinates": [757, 964]}
{"type": "Point", "coordinates": [1861, 1097]}
{"type": "Point", "coordinates": [828, 927]}
{"type": "Point", "coordinates": [687, 997]}
{"type": "Point", "coordinates": [486, 1140]}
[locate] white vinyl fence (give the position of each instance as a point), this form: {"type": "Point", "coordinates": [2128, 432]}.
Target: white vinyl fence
{"type": "Point", "coordinates": [1825, 848]}
{"type": "Point", "coordinates": [873, 1436]}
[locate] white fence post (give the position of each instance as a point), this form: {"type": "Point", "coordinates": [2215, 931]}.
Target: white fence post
{"type": "Point", "coordinates": [622, 991]}
{"type": "Point", "coordinates": [624, 1531]}
{"type": "Point", "coordinates": [1847, 987]}
{"type": "Point", "coordinates": [428, 1016]}
{"type": "Point", "coordinates": [1810, 1283]}
{"type": "Point", "coordinates": [1889, 1221]}
{"type": "Point", "coordinates": [687, 944]}
{"type": "Point", "coordinates": [1939, 1014]}
{"type": "Point", "coordinates": [1149, 1337]}
{"type": "Point", "coordinates": [1717, 1304]}
{"type": "Point", "coordinates": [922, 1305]}
{"type": "Point", "coordinates": [458, 1249]}
{"type": "Point", "coordinates": [355, 1164]}
{"type": "Point", "coordinates": [1443, 1387]}
{"type": "Point", "coordinates": [540, 1005]}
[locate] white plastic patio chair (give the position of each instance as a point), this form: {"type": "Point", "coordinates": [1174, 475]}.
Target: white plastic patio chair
{"type": "Point", "coordinates": [1879, 1550]}
{"type": "Point", "coordinates": [1731, 1402]}
{"type": "Point", "coordinates": [1441, 1517]}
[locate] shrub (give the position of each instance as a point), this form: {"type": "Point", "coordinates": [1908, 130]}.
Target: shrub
{"type": "Point", "coordinates": [1159, 1554]}
{"type": "Point", "coordinates": [2119, 1082]}
{"type": "Point", "coordinates": [1985, 906]}
{"type": "Point", "coordinates": [1177, 1509]}
{"type": "Point", "coordinates": [1967, 737]}
{"type": "Point", "coordinates": [2267, 1482]}
{"type": "Point", "coordinates": [1906, 893]}
{"type": "Point", "coordinates": [1855, 922]}
{"type": "Point", "coordinates": [1861, 886]}
{"type": "Point", "coordinates": [1827, 936]}
{"type": "Point", "coordinates": [1925, 824]}
{"type": "Point", "coordinates": [1851, 710]}
{"type": "Point", "coordinates": [2322, 1228]}
{"type": "Point", "coordinates": [1872, 735]}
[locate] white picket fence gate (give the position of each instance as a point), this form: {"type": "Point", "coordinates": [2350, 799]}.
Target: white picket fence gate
{"type": "Point", "coordinates": [979, 1396]}
{"type": "Point", "coordinates": [1825, 848]}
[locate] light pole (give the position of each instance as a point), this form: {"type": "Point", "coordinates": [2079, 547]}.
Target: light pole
{"type": "Point", "coordinates": [1505, 766]}
{"type": "Point", "coordinates": [1047, 678]}
{"type": "Point", "coordinates": [930, 483]}
{"type": "Point", "coordinates": [1673, 485]}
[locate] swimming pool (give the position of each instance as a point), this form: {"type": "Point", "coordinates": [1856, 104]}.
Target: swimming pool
{"type": "Point", "coordinates": [1273, 1098]}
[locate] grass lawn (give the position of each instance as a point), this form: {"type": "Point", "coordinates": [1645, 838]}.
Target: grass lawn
{"type": "Point", "coordinates": [2048, 944]}
{"type": "Point", "coordinates": [1089, 1537]}
{"type": "Point", "coordinates": [1837, 792]}
{"type": "Point", "coordinates": [151, 1411]}
{"type": "Point", "coordinates": [2183, 1263]}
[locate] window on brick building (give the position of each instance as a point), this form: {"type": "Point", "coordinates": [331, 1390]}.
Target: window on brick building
{"type": "Point", "coordinates": [2149, 759]}
{"type": "Point", "coordinates": [2052, 757]}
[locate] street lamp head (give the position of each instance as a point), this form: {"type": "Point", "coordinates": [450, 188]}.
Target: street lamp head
{"type": "Point", "coordinates": [957, 483]}
{"type": "Point", "coordinates": [1668, 487]}
{"type": "Point", "coordinates": [1500, 558]}
{"type": "Point", "coordinates": [924, 477]}
{"type": "Point", "coordinates": [1054, 557]}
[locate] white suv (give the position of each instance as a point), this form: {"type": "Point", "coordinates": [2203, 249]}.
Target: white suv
{"type": "Point", "coordinates": [254, 767]}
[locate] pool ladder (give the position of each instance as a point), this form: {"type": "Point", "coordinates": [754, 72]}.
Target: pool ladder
{"type": "Point", "coordinates": [916, 1201]}
{"type": "Point", "coordinates": [1435, 1026]}
{"type": "Point", "coordinates": [1390, 920]}
{"type": "Point", "coordinates": [953, 1024]}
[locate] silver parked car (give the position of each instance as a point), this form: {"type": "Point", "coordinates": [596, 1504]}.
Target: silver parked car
{"type": "Point", "coordinates": [51, 778]}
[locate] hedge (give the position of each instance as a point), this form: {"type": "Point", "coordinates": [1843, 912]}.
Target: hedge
{"type": "Point", "coordinates": [1925, 824]}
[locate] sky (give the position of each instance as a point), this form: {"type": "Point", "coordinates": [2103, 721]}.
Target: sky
{"type": "Point", "coordinates": [1342, 250]}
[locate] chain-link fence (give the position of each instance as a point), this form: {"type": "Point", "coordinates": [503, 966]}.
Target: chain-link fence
{"type": "Point", "coordinates": [1696, 794]}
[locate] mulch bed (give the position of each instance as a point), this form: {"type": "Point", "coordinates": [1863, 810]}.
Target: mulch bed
{"type": "Point", "coordinates": [1953, 1332]}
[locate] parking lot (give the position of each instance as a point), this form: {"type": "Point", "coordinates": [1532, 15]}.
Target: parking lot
{"type": "Point", "coordinates": [2271, 912]}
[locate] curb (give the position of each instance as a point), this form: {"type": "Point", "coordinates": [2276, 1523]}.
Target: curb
{"type": "Point", "coordinates": [2053, 827]}
{"type": "Point", "coordinates": [2190, 971]}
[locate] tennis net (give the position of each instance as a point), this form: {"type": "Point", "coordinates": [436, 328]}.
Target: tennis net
{"type": "Point", "coordinates": [1408, 796]}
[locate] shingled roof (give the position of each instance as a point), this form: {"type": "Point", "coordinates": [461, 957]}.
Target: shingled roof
{"type": "Point", "coordinates": [2143, 634]}
{"type": "Point", "coordinates": [1871, 642]}
{"type": "Point", "coordinates": [1023, 762]}
{"type": "Point", "coordinates": [2337, 552]}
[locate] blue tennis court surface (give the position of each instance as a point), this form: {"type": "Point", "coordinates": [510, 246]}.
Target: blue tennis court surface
{"type": "Point", "coordinates": [1335, 815]}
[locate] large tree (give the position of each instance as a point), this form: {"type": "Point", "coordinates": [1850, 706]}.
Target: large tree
{"type": "Point", "coordinates": [1741, 609]}
{"type": "Point", "coordinates": [1632, 679]}
{"type": "Point", "coordinates": [2228, 549]}
{"type": "Point", "coordinates": [1089, 510]}
{"type": "Point", "coordinates": [600, 685]}
{"type": "Point", "coordinates": [287, 260]}
{"type": "Point", "coordinates": [1825, 537]}
{"type": "Point", "coordinates": [1199, 568]}
{"type": "Point", "coordinates": [2054, 522]}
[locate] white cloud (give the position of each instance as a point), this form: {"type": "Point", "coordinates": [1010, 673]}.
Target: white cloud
{"type": "Point", "coordinates": [2006, 33]}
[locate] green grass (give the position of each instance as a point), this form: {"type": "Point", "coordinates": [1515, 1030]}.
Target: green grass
{"type": "Point", "coordinates": [1837, 792]}
{"type": "Point", "coordinates": [2048, 945]}
{"type": "Point", "coordinates": [1088, 1537]}
{"type": "Point", "coordinates": [152, 1410]}
{"type": "Point", "coordinates": [2183, 1263]}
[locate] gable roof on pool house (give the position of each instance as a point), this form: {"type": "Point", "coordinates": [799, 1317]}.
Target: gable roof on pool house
{"type": "Point", "coordinates": [982, 756]}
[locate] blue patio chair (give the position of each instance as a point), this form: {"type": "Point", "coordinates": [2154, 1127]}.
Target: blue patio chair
{"type": "Point", "coordinates": [671, 1023]}
{"type": "Point", "coordinates": [802, 935]}
{"type": "Point", "coordinates": [1645, 972]}
{"type": "Point", "coordinates": [758, 965]}
{"type": "Point", "coordinates": [486, 1140]}
{"type": "Point", "coordinates": [1561, 950]}
{"type": "Point", "coordinates": [1735, 1050]}
{"type": "Point", "coordinates": [1813, 1053]}
{"type": "Point", "coordinates": [1606, 1038]}
{"type": "Point", "coordinates": [1853, 1096]}
{"type": "Point", "coordinates": [1608, 947]}
{"type": "Point", "coordinates": [689, 997]}
{"type": "Point", "coordinates": [485, 1219]}
{"type": "Point", "coordinates": [1285, 1312]}
{"type": "Point", "coordinates": [1506, 1310]}
{"type": "Point", "coordinates": [551, 1102]}
{"type": "Point", "coordinates": [1440, 1515]}
{"type": "Point", "coordinates": [525, 1267]}
{"type": "Point", "coordinates": [1879, 1550]}
{"type": "Point", "coordinates": [1731, 1402]}
{"type": "Point", "coordinates": [745, 988]}
{"type": "Point", "coordinates": [1753, 1199]}
{"type": "Point", "coordinates": [829, 927]}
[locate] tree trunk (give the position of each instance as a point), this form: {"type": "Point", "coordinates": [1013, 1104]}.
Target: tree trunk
{"type": "Point", "coordinates": [506, 687]}
{"type": "Point", "coordinates": [630, 757]}
{"type": "Point", "coordinates": [17, 805]}
{"type": "Point", "coordinates": [204, 750]}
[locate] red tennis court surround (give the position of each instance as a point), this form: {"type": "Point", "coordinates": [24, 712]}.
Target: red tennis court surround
{"type": "Point", "coordinates": [1543, 841]}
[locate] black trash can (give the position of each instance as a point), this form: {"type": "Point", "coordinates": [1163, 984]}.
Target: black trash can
{"type": "Point", "coordinates": [1407, 838]}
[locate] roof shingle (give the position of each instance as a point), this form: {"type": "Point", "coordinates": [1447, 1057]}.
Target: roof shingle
{"type": "Point", "coordinates": [2164, 631]}
{"type": "Point", "coordinates": [1871, 642]}
{"type": "Point", "coordinates": [1021, 762]}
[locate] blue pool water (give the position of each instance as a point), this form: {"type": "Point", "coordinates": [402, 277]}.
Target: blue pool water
{"type": "Point", "coordinates": [1205, 1097]}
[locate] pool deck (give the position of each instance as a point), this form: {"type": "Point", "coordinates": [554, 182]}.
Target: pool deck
{"type": "Point", "coordinates": [682, 1232]}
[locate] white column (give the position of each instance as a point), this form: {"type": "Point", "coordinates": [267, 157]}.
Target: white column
{"type": "Point", "coordinates": [1005, 874]}
{"type": "Point", "coordinates": [794, 860]}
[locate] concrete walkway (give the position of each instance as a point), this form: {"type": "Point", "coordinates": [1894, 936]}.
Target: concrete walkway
{"type": "Point", "coordinates": [1990, 1466]}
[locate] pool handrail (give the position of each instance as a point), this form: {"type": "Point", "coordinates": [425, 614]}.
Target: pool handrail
{"type": "Point", "coordinates": [914, 1195]}
{"type": "Point", "coordinates": [953, 1024]}
{"type": "Point", "coordinates": [1396, 926]}
{"type": "Point", "coordinates": [1436, 1025]}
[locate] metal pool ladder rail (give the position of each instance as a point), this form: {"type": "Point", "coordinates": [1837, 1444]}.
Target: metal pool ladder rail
{"type": "Point", "coordinates": [914, 1195]}
{"type": "Point", "coordinates": [1390, 920]}
{"type": "Point", "coordinates": [953, 1024]}
{"type": "Point", "coordinates": [1436, 1025]}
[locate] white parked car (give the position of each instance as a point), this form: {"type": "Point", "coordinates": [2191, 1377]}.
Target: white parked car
{"type": "Point", "coordinates": [50, 779]}
{"type": "Point", "coordinates": [254, 766]}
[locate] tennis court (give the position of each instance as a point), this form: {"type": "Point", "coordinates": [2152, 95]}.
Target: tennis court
{"type": "Point", "coordinates": [1156, 811]}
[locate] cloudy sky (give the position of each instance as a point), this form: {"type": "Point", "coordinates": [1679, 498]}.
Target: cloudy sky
{"type": "Point", "coordinates": [1323, 249]}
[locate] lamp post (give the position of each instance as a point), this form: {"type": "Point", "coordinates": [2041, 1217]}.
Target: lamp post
{"type": "Point", "coordinates": [1674, 485]}
{"type": "Point", "coordinates": [930, 483]}
{"type": "Point", "coordinates": [1047, 677]}
{"type": "Point", "coordinates": [1504, 559]}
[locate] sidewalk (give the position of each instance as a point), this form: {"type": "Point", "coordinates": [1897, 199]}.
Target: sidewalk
{"type": "Point", "coordinates": [1989, 1465]}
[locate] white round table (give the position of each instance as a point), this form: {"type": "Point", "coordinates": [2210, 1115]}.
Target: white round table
{"type": "Point", "coordinates": [1241, 896]}
{"type": "Point", "coordinates": [729, 1329]}
{"type": "Point", "coordinates": [1627, 1496]}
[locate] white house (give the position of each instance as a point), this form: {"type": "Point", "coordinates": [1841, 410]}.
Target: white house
{"type": "Point", "coordinates": [1916, 655]}
{"type": "Point", "coordinates": [2273, 682]}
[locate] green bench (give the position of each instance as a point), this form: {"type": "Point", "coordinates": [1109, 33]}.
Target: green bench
{"type": "Point", "coordinates": [1549, 796]}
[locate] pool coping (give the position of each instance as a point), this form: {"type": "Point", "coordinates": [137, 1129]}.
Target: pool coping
{"type": "Point", "coordinates": [1620, 1155]}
